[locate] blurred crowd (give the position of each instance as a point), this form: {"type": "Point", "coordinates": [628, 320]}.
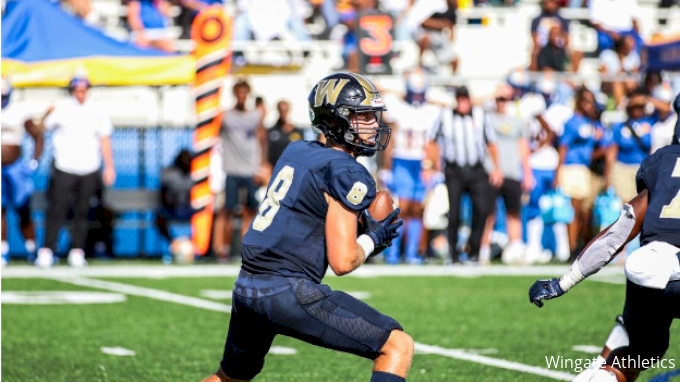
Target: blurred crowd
{"type": "Point", "coordinates": [557, 152]}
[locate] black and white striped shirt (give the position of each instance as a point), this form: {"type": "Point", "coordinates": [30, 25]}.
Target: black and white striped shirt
{"type": "Point", "coordinates": [462, 139]}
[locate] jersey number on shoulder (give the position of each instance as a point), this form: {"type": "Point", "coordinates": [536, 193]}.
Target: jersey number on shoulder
{"type": "Point", "coordinates": [672, 210]}
{"type": "Point", "coordinates": [272, 202]}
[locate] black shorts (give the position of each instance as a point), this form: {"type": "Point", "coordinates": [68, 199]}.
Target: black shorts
{"type": "Point", "coordinates": [511, 192]}
{"type": "Point", "coordinates": [648, 315]}
{"type": "Point", "coordinates": [266, 305]}
{"type": "Point", "coordinates": [240, 190]}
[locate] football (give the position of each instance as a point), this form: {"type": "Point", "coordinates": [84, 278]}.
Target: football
{"type": "Point", "coordinates": [382, 205]}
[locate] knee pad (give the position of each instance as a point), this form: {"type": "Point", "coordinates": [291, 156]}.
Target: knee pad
{"type": "Point", "coordinates": [651, 266]}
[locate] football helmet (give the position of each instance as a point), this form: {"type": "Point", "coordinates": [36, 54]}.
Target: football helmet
{"type": "Point", "coordinates": [334, 104]}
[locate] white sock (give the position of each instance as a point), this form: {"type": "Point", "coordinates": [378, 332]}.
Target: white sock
{"type": "Point", "coordinates": [617, 338]}
{"type": "Point", "coordinates": [535, 235]}
{"type": "Point", "coordinates": [4, 246]}
{"type": "Point", "coordinates": [563, 250]}
{"type": "Point", "coordinates": [484, 253]}
{"type": "Point", "coordinates": [30, 246]}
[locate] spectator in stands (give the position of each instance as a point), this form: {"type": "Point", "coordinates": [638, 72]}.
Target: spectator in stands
{"type": "Point", "coordinates": [632, 143]}
{"type": "Point", "coordinates": [404, 169]}
{"type": "Point", "coordinates": [321, 19]}
{"type": "Point", "coordinates": [660, 94]}
{"type": "Point", "coordinates": [555, 56]}
{"type": "Point", "coordinates": [433, 24]}
{"type": "Point", "coordinates": [81, 141]}
{"type": "Point", "coordinates": [399, 9]}
{"type": "Point", "coordinates": [244, 146]}
{"type": "Point", "coordinates": [349, 11]}
{"type": "Point", "coordinates": [175, 194]}
{"type": "Point", "coordinates": [541, 26]}
{"type": "Point", "coordinates": [149, 22]}
{"type": "Point", "coordinates": [576, 148]}
{"type": "Point", "coordinates": [460, 140]}
{"type": "Point", "coordinates": [513, 157]}
{"type": "Point", "coordinates": [266, 20]}
{"type": "Point", "coordinates": [17, 185]}
{"type": "Point", "coordinates": [190, 9]}
{"type": "Point", "coordinates": [544, 161]}
{"type": "Point", "coordinates": [613, 19]}
{"type": "Point", "coordinates": [624, 60]}
{"type": "Point", "coordinates": [281, 134]}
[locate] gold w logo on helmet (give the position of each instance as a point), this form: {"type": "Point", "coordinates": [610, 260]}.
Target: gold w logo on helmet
{"type": "Point", "coordinates": [328, 90]}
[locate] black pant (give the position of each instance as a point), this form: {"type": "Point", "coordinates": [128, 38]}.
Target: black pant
{"type": "Point", "coordinates": [475, 181]}
{"type": "Point", "coordinates": [648, 315]}
{"type": "Point", "coordinates": [64, 188]}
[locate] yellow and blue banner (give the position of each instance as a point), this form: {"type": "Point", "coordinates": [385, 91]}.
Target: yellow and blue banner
{"type": "Point", "coordinates": [42, 45]}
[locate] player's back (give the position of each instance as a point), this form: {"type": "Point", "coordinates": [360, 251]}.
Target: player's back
{"type": "Point", "coordinates": [660, 175]}
{"type": "Point", "coordinates": [287, 236]}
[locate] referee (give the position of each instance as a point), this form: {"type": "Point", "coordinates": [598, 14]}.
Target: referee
{"type": "Point", "coordinates": [459, 141]}
{"type": "Point", "coordinates": [81, 139]}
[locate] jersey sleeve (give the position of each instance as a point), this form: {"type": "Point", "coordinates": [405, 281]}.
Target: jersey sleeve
{"type": "Point", "coordinates": [645, 177]}
{"type": "Point", "coordinates": [352, 185]}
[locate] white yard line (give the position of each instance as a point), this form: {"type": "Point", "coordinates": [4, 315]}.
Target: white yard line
{"type": "Point", "coordinates": [145, 292]}
{"type": "Point", "coordinates": [217, 270]}
{"type": "Point", "coordinates": [224, 308]}
{"type": "Point", "coordinates": [591, 349]}
{"type": "Point", "coordinates": [496, 362]}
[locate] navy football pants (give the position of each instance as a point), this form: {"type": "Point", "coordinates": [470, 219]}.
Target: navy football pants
{"type": "Point", "coordinates": [266, 305]}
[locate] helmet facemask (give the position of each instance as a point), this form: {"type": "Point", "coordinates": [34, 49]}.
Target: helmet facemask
{"type": "Point", "coordinates": [365, 134]}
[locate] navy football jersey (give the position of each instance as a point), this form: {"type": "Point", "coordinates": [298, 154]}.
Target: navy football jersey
{"type": "Point", "coordinates": [660, 175]}
{"type": "Point", "coordinates": [287, 236]}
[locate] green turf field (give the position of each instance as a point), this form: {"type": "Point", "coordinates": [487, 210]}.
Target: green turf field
{"type": "Point", "coordinates": [475, 318]}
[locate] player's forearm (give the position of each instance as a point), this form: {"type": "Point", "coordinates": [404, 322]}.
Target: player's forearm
{"type": "Point", "coordinates": [107, 152]}
{"type": "Point", "coordinates": [602, 249]}
{"type": "Point", "coordinates": [524, 153]}
{"type": "Point", "coordinates": [493, 152]}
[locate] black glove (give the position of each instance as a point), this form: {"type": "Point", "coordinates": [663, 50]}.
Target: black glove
{"type": "Point", "coordinates": [544, 290]}
{"type": "Point", "coordinates": [381, 232]}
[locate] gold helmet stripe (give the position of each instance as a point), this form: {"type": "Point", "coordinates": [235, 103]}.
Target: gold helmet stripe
{"type": "Point", "coordinates": [329, 90]}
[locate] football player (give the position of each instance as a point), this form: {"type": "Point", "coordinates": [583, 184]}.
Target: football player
{"type": "Point", "coordinates": [17, 185]}
{"type": "Point", "coordinates": [641, 335]}
{"type": "Point", "coordinates": [404, 163]}
{"type": "Point", "coordinates": [307, 222]}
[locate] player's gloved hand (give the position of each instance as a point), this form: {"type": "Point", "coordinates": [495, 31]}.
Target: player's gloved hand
{"type": "Point", "coordinates": [544, 290]}
{"type": "Point", "coordinates": [382, 232]}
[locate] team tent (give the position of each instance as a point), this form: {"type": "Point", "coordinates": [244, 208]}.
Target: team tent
{"type": "Point", "coordinates": [42, 45]}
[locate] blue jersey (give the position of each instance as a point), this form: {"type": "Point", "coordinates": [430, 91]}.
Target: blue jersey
{"type": "Point", "coordinates": [287, 236]}
{"type": "Point", "coordinates": [660, 175]}
{"type": "Point", "coordinates": [630, 150]}
{"type": "Point", "coordinates": [581, 136]}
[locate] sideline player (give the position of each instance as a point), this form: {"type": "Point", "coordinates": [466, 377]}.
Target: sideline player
{"type": "Point", "coordinates": [404, 163]}
{"type": "Point", "coordinates": [17, 185]}
{"type": "Point", "coordinates": [307, 222]}
{"type": "Point", "coordinates": [641, 336]}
